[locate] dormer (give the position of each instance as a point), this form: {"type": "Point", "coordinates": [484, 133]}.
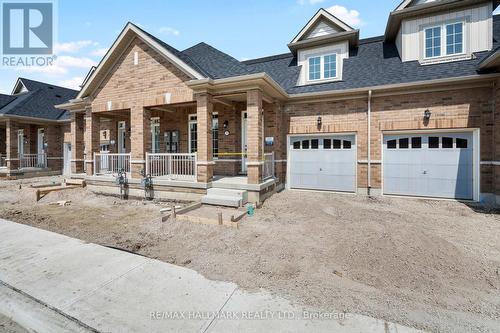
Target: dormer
{"type": "Point", "coordinates": [321, 47]}
{"type": "Point", "coordinates": [436, 31]}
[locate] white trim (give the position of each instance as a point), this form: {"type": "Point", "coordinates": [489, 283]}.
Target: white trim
{"type": "Point", "coordinates": [288, 153]}
{"type": "Point", "coordinates": [490, 162]}
{"type": "Point", "coordinates": [19, 81]}
{"type": "Point", "coordinates": [189, 131]}
{"type": "Point", "coordinates": [152, 43]}
{"type": "Point", "coordinates": [315, 19]}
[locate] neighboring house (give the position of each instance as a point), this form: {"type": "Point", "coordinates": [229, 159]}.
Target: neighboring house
{"type": "Point", "coordinates": [34, 135]}
{"type": "Point", "coordinates": [413, 112]}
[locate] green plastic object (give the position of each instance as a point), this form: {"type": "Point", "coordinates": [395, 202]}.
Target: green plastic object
{"type": "Point", "coordinates": [250, 210]}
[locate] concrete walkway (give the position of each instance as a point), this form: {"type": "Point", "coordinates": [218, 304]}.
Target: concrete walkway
{"type": "Point", "coordinates": [53, 283]}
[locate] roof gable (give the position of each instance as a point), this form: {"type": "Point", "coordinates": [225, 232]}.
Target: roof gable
{"type": "Point", "coordinates": [412, 3]}
{"type": "Point", "coordinates": [321, 24]}
{"type": "Point", "coordinates": [129, 32]}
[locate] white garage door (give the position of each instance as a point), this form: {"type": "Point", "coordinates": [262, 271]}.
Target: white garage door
{"type": "Point", "coordinates": [323, 162]}
{"type": "Point", "coordinates": [432, 165]}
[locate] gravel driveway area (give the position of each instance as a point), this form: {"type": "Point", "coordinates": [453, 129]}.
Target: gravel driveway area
{"type": "Point", "coordinates": [429, 264]}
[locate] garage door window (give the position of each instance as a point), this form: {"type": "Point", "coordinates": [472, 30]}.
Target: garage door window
{"type": "Point", "coordinates": [461, 143]}
{"type": "Point", "coordinates": [337, 144]}
{"type": "Point", "coordinates": [296, 145]}
{"type": "Point", "coordinates": [314, 144]}
{"type": "Point", "coordinates": [327, 143]}
{"type": "Point", "coordinates": [416, 143]}
{"type": "Point", "coordinates": [305, 144]}
{"type": "Point", "coordinates": [347, 144]}
{"type": "Point", "coordinates": [433, 142]}
{"type": "Point", "coordinates": [391, 144]}
{"type": "Point", "coordinates": [447, 142]}
{"type": "Point", "coordinates": [403, 143]}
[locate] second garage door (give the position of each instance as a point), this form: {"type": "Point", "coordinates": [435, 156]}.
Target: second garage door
{"type": "Point", "coordinates": [323, 162]}
{"type": "Point", "coordinates": [432, 165]}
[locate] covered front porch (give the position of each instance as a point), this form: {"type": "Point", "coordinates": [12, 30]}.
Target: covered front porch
{"type": "Point", "coordinates": [216, 141]}
{"type": "Point", "coordinates": [25, 150]}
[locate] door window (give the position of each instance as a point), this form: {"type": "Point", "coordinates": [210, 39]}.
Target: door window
{"type": "Point", "coordinates": [461, 143]}
{"type": "Point", "coordinates": [433, 142]}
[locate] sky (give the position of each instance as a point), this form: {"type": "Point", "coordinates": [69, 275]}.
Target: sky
{"type": "Point", "coordinates": [242, 29]}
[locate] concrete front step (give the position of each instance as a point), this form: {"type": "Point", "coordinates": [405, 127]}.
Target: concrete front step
{"type": "Point", "coordinates": [225, 197]}
{"type": "Point", "coordinates": [221, 200]}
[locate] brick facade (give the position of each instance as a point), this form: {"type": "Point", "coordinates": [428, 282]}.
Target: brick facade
{"type": "Point", "coordinates": [451, 109]}
{"type": "Point", "coordinates": [154, 87]}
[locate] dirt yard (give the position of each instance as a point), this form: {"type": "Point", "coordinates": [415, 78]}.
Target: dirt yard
{"type": "Point", "coordinates": [433, 265]}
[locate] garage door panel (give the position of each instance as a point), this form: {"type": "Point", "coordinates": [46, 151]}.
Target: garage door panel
{"type": "Point", "coordinates": [324, 168]}
{"type": "Point", "coordinates": [440, 167]}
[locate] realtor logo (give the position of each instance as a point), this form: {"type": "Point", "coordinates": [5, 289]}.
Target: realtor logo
{"type": "Point", "coordinates": [27, 28]}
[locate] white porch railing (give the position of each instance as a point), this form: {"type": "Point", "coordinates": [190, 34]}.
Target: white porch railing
{"type": "Point", "coordinates": [33, 160]}
{"type": "Point", "coordinates": [3, 162]}
{"type": "Point", "coordinates": [109, 164]}
{"type": "Point", "coordinates": [268, 167]}
{"type": "Point", "coordinates": [173, 166]}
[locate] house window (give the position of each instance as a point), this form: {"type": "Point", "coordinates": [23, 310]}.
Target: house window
{"type": "Point", "coordinates": [330, 67]}
{"type": "Point", "coordinates": [433, 42]}
{"type": "Point", "coordinates": [193, 134]}
{"type": "Point", "coordinates": [444, 40]}
{"type": "Point", "coordinates": [322, 67]}
{"type": "Point", "coordinates": [454, 38]}
{"type": "Point", "coordinates": [314, 68]}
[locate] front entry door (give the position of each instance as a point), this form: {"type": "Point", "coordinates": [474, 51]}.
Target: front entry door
{"type": "Point", "coordinates": [244, 141]}
{"type": "Point", "coordinates": [67, 159]}
{"type": "Point", "coordinates": [40, 147]}
{"type": "Point", "coordinates": [121, 137]}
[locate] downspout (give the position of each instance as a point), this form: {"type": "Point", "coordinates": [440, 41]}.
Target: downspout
{"type": "Point", "coordinates": [369, 142]}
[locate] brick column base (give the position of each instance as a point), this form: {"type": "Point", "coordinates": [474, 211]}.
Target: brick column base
{"type": "Point", "coordinates": [205, 172]}
{"type": "Point", "coordinates": [254, 174]}
{"type": "Point", "coordinates": [136, 169]}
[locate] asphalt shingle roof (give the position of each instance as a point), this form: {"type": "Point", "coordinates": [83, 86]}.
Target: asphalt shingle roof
{"type": "Point", "coordinates": [372, 63]}
{"type": "Point", "coordinates": [38, 102]}
{"type": "Point", "coordinates": [216, 64]}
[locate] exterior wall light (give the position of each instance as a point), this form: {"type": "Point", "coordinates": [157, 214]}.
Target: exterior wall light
{"type": "Point", "coordinates": [226, 124]}
{"type": "Point", "coordinates": [318, 121]}
{"type": "Point", "coordinates": [427, 114]}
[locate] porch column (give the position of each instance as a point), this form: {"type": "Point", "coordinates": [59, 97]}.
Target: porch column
{"type": "Point", "coordinates": [91, 139]}
{"type": "Point", "coordinates": [53, 136]}
{"type": "Point", "coordinates": [12, 158]}
{"type": "Point", "coordinates": [77, 142]}
{"type": "Point", "coordinates": [205, 163]}
{"type": "Point", "coordinates": [140, 138]}
{"type": "Point", "coordinates": [255, 136]}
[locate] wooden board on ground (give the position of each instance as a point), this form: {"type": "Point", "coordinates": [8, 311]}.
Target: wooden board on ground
{"type": "Point", "coordinates": [71, 181]}
{"type": "Point", "coordinates": [41, 192]}
{"type": "Point", "coordinates": [213, 215]}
